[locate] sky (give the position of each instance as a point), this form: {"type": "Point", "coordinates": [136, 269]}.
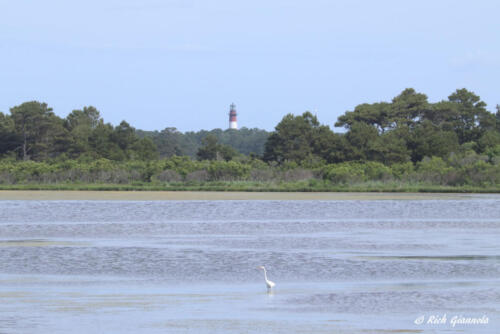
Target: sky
{"type": "Point", "coordinates": [181, 63]}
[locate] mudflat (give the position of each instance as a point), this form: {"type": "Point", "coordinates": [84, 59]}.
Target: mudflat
{"type": "Point", "coordinates": [58, 195]}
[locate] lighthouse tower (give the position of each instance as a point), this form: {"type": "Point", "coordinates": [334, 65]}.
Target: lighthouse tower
{"type": "Point", "coordinates": [233, 124]}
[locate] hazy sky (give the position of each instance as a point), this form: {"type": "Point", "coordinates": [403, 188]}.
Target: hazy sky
{"type": "Point", "coordinates": [162, 63]}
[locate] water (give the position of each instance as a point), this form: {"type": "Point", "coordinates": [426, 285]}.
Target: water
{"type": "Point", "coordinates": [191, 266]}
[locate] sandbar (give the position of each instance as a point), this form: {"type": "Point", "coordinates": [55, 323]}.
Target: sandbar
{"type": "Point", "coordinates": [58, 195]}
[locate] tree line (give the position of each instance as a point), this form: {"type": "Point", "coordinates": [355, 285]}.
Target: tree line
{"type": "Point", "coordinates": [171, 142]}
{"type": "Point", "coordinates": [452, 142]}
{"type": "Point", "coordinates": [408, 128]}
{"type": "Point", "coordinates": [33, 132]}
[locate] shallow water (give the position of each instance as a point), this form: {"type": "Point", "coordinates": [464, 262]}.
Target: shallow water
{"type": "Point", "coordinates": [191, 266]}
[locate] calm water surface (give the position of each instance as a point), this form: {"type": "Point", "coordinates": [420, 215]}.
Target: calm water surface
{"type": "Point", "coordinates": [191, 266]}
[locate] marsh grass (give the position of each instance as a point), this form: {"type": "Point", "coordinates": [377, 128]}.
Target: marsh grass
{"type": "Point", "coordinates": [255, 186]}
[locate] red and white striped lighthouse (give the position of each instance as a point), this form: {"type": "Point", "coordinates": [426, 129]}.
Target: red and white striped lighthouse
{"type": "Point", "coordinates": [233, 124]}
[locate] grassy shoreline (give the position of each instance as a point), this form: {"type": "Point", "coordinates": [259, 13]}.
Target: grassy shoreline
{"type": "Point", "coordinates": [376, 187]}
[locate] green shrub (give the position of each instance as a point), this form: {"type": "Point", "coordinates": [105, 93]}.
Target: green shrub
{"type": "Point", "coordinates": [433, 170]}
{"type": "Point", "coordinates": [228, 170]}
{"type": "Point", "coordinates": [343, 173]}
{"type": "Point", "coordinates": [376, 171]}
{"type": "Point", "coordinates": [403, 170]}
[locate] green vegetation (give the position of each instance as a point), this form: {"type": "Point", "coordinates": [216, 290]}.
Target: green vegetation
{"type": "Point", "coordinates": [172, 142]}
{"type": "Point", "coordinates": [408, 144]}
{"type": "Point", "coordinates": [470, 172]}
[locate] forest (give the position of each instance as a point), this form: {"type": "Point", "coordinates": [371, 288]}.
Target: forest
{"type": "Point", "coordinates": [406, 144]}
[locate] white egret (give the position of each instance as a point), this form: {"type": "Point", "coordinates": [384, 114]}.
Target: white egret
{"type": "Point", "coordinates": [269, 283]}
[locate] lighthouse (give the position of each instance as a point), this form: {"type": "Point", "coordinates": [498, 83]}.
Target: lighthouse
{"type": "Point", "coordinates": [233, 124]}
